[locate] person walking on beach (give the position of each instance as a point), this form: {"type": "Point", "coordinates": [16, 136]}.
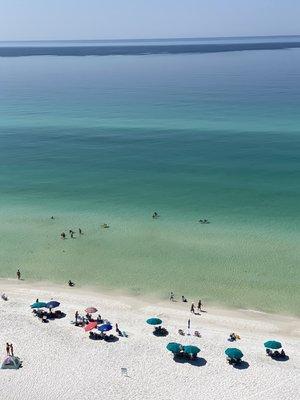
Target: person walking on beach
{"type": "Point", "coordinates": [18, 274]}
{"type": "Point", "coordinates": [199, 305]}
{"type": "Point", "coordinates": [192, 308]}
{"type": "Point", "coordinates": [7, 349]}
{"type": "Point", "coordinates": [171, 296]}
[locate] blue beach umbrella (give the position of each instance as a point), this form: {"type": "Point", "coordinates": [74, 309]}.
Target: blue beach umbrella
{"type": "Point", "coordinates": [272, 344]}
{"type": "Point", "coordinates": [154, 321]}
{"type": "Point", "coordinates": [232, 352]}
{"type": "Point", "coordinates": [53, 304]}
{"type": "Point", "coordinates": [174, 347]}
{"type": "Point", "coordinates": [38, 304]}
{"type": "Point", "coordinates": [191, 349]}
{"type": "Point", "coordinates": [105, 328]}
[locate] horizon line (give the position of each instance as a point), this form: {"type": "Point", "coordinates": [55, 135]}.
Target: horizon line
{"type": "Point", "coordinates": [151, 39]}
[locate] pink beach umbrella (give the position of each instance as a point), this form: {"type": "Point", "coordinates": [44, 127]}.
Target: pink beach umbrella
{"type": "Point", "coordinates": [91, 310]}
{"type": "Point", "coordinates": [90, 326]}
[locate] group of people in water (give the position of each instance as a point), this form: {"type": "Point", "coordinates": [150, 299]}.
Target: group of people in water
{"type": "Point", "coordinates": [72, 233]}
{"type": "Point", "coordinates": [155, 215]}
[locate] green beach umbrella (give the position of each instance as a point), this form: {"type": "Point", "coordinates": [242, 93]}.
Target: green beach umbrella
{"type": "Point", "coordinates": [174, 347]}
{"type": "Point", "coordinates": [154, 321]}
{"type": "Point", "coordinates": [191, 349]}
{"type": "Point", "coordinates": [38, 304]}
{"type": "Point", "coordinates": [272, 344]}
{"type": "Point", "coordinates": [232, 352]}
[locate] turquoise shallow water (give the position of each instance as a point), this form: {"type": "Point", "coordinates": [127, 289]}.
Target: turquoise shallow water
{"type": "Point", "coordinates": [111, 139]}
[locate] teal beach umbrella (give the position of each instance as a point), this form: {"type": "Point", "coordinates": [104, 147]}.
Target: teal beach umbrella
{"type": "Point", "coordinates": [272, 344]}
{"type": "Point", "coordinates": [154, 321]}
{"type": "Point", "coordinates": [174, 347]}
{"type": "Point", "coordinates": [191, 349]}
{"type": "Point", "coordinates": [232, 352]}
{"type": "Point", "coordinates": [38, 304]}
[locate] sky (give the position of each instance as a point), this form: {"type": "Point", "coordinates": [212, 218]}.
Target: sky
{"type": "Point", "coordinates": [114, 19]}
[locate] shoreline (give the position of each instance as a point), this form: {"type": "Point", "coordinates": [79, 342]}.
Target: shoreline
{"type": "Point", "coordinates": [138, 301]}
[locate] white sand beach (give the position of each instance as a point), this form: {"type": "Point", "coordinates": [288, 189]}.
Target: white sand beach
{"type": "Point", "coordinates": [61, 362]}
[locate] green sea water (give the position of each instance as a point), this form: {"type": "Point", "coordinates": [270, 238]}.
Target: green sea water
{"type": "Point", "coordinates": [112, 139]}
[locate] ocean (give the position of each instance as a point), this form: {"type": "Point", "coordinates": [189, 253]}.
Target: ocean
{"type": "Point", "coordinates": [112, 135]}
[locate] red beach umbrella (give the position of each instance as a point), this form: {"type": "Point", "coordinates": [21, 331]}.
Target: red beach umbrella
{"type": "Point", "coordinates": [91, 310]}
{"type": "Point", "coordinates": [90, 326]}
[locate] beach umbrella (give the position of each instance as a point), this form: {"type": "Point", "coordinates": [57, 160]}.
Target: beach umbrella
{"type": "Point", "coordinates": [38, 304]}
{"type": "Point", "coordinates": [91, 310]}
{"type": "Point", "coordinates": [104, 328]}
{"type": "Point", "coordinates": [232, 352]}
{"type": "Point", "coordinates": [191, 349]}
{"type": "Point", "coordinates": [272, 344]}
{"type": "Point", "coordinates": [52, 304]}
{"type": "Point", "coordinates": [90, 326]}
{"type": "Point", "coordinates": [174, 347]}
{"type": "Point", "coordinates": [154, 321]}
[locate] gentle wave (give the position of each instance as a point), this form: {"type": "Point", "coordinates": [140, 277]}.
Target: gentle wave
{"type": "Point", "coordinates": [21, 51]}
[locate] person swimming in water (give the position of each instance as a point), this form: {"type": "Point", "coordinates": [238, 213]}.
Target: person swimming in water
{"type": "Point", "coordinates": [155, 215]}
{"type": "Point", "coordinates": [70, 283]}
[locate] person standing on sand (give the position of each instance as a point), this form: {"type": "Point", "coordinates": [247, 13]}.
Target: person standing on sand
{"type": "Point", "coordinates": [199, 305]}
{"type": "Point", "coordinates": [76, 317]}
{"type": "Point", "coordinates": [7, 349]}
{"type": "Point", "coordinates": [11, 350]}
{"type": "Point", "coordinates": [18, 274]}
{"type": "Point", "coordinates": [193, 308]}
{"type": "Point", "coordinates": [189, 323]}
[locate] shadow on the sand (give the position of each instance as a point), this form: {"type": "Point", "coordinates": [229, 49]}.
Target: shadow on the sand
{"type": "Point", "coordinates": [53, 316]}
{"type": "Point", "coordinates": [281, 358]}
{"type": "Point", "coordinates": [241, 365]}
{"type": "Point", "coordinates": [111, 339]}
{"type": "Point", "coordinates": [161, 332]}
{"type": "Point", "coordinates": [197, 362]}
